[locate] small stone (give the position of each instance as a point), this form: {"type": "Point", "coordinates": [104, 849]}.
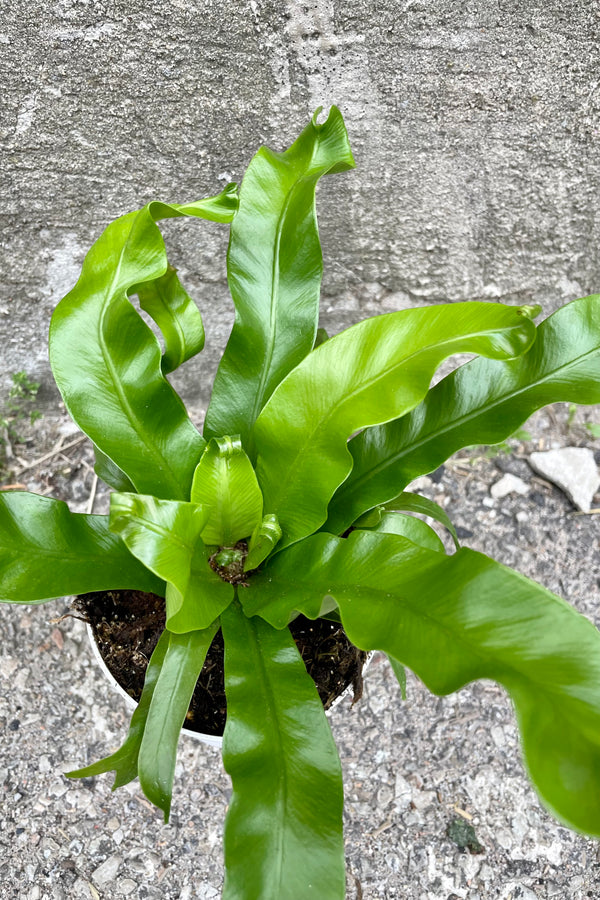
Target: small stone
{"type": "Point", "coordinates": [108, 870]}
{"type": "Point", "coordinates": [514, 890]}
{"type": "Point", "coordinates": [125, 886]}
{"type": "Point", "coordinates": [553, 853]}
{"type": "Point", "coordinates": [486, 874]}
{"type": "Point", "coordinates": [402, 791]}
{"type": "Point", "coordinates": [8, 664]}
{"type": "Point", "coordinates": [30, 871]}
{"type": "Point", "coordinates": [573, 470]}
{"type": "Point", "coordinates": [520, 827]}
{"type": "Point", "coordinates": [508, 484]}
{"type": "Point", "coordinates": [423, 799]}
{"type": "Point", "coordinates": [522, 516]}
{"type": "Point", "coordinates": [504, 838]}
{"type": "Point", "coordinates": [498, 735]}
{"type": "Point", "coordinates": [385, 795]}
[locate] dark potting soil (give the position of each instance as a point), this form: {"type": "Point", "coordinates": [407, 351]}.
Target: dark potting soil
{"type": "Point", "coordinates": [127, 625]}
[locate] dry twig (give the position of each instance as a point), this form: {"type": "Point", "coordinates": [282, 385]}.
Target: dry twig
{"type": "Point", "coordinates": [58, 448]}
{"type": "Point", "coordinates": [92, 497]}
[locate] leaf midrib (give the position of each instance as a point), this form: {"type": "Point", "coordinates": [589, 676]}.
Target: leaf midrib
{"type": "Point", "coordinates": [163, 463]}
{"type": "Point", "coordinates": [169, 535]}
{"type": "Point", "coordinates": [39, 551]}
{"type": "Point", "coordinates": [274, 302]}
{"type": "Point", "coordinates": [456, 423]}
{"type": "Point", "coordinates": [282, 794]}
{"type": "Point", "coordinates": [481, 652]}
{"type": "Point", "coordinates": [275, 292]}
{"type": "Point", "coordinates": [292, 467]}
{"type": "Point", "coordinates": [159, 742]}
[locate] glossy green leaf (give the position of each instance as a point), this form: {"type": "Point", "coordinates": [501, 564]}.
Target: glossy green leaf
{"type": "Point", "coordinates": [225, 484]}
{"type": "Point", "coordinates": [150, 748]}
{"type": "Point", "coordinates": [220, 208]}
{"type": "Point", "coordinates": [454, 619]}
{"type": "Point", "coordinates": [283, 831]}
{"type": "Point", "coordinates": [110, 473]}
{"type": "Point", "coordinates": [170, 701]}
{"type": "Point", "coordinates": [410, 527]}
{"type": "Point", "coordinates": [264, 538]}
{"type": "Point", "coordinates": [170, 306]}
{"type": "Point", "coordinates": [368, 520]}
{"type": "Point", "coordinates": [370, 373]}
{"type": "Point", "coordinates": [482, 402]}
{"type": "Point", "coordinates": [165, 536]}
{"type": "Point", "coordinates": [107, 361]}
{"type": "Point", "coordinates": [321, 337]}
{"type": "Point", "coordinates": [409, 502]}
{"type": "Point", "coordinates": [400, 673]}
{"type": "Point", "coordinates": [46, 551]}
{"type": "Point", "coordinates": [274, 268]}
{"type": "Point", "coordinates": [124, 761]}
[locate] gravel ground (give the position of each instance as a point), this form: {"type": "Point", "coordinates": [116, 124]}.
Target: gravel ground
{"type": "Point", "coordinates": [410, 768]}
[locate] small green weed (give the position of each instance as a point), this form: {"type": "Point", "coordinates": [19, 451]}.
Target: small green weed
{"type": "Point", "coordinates": [593, 428]}
{"type": "Point", "coordinates": [491, 451]}
{"type": "Point", "coordinates": [19, 407]}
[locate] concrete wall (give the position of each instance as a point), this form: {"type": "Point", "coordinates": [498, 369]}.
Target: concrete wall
{"type": "Point", "coordinates": [475, 128]}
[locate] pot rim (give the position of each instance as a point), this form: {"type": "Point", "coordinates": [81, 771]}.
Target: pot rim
{"type": "Point", "coordinates": [212, 740]}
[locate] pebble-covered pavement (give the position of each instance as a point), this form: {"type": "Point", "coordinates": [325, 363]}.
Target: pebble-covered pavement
{"type": "Point", "coordinates": [412, 769]}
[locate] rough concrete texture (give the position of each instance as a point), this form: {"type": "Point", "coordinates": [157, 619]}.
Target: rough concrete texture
{"type": "Point", "coordinates": [474, 126]}
{"type": "Point", "coordinates": [410, 768]}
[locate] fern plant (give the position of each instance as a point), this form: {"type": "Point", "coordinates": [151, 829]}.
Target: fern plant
{"type": "Point", "coordinates": [294, 500]}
